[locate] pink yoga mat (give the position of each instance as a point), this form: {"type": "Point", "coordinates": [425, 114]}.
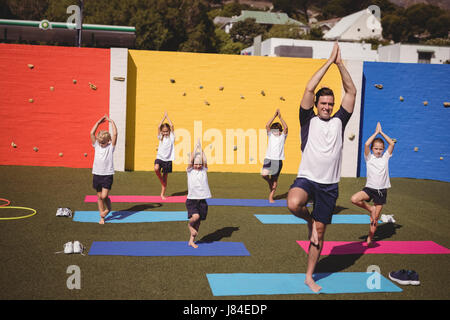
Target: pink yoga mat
{"type": "Point", "coordinates": [380, 247]}
{"type": "Point", "coordinates": [174, 199]}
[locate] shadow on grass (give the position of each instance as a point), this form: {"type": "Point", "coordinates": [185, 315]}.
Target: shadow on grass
{"type": "Point", "coordinates": [122, 214]}
{"type": "Point", "coordinates": [336, 261]}
{"type": "Point", "coordinates": [181, 193]}
{"type": "Point", "coordinates": [217, 235]}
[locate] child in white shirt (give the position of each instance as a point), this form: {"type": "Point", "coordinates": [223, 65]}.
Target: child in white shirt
{"type": "Point", "coordinates": [166, 152]}
{"type": "Point", "coordinates": [273, 162]}
{"type": "Point", "coordinates": [378, 181]}
{"type": "Point", "coordinates": [103, 167]}
{"type": "Point", "coordinates": [198, 191]}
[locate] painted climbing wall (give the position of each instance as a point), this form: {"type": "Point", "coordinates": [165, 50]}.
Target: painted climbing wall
{"type": "Point", "coordinates": [223, 100]}
{"type": "Point", "coordinates": [50, 97]}
{"type": "Point", "coordinates": [410, 108]}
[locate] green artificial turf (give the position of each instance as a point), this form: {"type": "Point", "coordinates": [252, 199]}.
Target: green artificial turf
{"type": "Point", "coordinates": [30, 269]}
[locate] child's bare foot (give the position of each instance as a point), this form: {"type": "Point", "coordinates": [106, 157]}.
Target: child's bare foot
{"type": "Point", "coordinates": [192, 244]}
{"type": "Point", "coordinates": [312, 285]}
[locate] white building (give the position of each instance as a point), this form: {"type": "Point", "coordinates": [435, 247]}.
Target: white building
{"type": "Point", "coordinates": [280, 47]}
{"type": "Point", "coordinates": [359, 25]}
{"type": "Point", "coordinates": [409, 53]}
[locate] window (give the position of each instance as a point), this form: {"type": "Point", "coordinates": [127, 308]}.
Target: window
{"type": "Point", "coordinates": [425, 56]}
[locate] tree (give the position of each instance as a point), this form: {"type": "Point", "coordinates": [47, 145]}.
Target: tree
{"type": "Point", "coordinates": [395, 27]}
{"type": "Point", "coordinates": [245, 31]}
{"type": "Point", "coordinates": [290, 31]}
{"type": "Point", "coordinates": [225, 45]}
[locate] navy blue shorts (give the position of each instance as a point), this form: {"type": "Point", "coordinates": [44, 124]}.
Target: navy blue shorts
{"type": "Point", "coordinates": [378, 196]}
{"type": "Point", "coordinates": [273, 166]}
{"type": "Point", "coordinates": [198, 206]}
{"type": "Point", "coordinates": [164, 166]}
{"type": "Point", "coordinates": [324, 197]}
{"type": "Point", "coordinates": [100, 182]}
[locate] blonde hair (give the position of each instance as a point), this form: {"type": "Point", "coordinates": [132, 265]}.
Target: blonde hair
{"type": "Point", "coordinates": [103, 136]}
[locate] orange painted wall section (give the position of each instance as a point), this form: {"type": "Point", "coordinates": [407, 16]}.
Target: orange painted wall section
{"type": "Point", "coordinates": [59, 120]}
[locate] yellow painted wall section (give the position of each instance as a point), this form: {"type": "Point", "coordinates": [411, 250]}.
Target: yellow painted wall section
{"type": "Point", "coordinates": [230, 122]}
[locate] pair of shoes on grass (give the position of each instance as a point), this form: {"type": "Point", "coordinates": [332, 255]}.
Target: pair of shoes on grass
{"type": "Point", "coordinates": [73, 247]}
{"type": "Point", "coordinates": [405, 277]}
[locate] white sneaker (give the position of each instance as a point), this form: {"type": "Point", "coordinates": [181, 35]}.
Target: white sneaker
{"type": "Point", "coordinates": [68, 247]}
{"type": "Point", "coordinates": [78, 247]}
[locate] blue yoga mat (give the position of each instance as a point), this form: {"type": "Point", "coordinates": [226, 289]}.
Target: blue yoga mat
{"type": "Point", "coordinates": [240, 284]}
{"type": "Point", "coordinates": [245, 202]}
{"type": "Point", "coordinates": [166, 248]}
{"type": "Point", "coordinates": [131, 216]}
{"type": "Point", "coordinates": [291, 219]}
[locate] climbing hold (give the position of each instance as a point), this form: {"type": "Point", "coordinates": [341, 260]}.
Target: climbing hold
{"type": "Point", "coordinates": [416, 149]}
{"type": "Point", "coordinates": [74, 81]}
{"type": "Point", "coordinates": [379, 86]}
{"type": "Point", "coordinates": [425, 103]}
{"type": "Point", "coordinates": [119, 78]}
{"type": "Point", "coordinates": [30, 100]}
{"type": "Point", "coordinates": [221, 88]}
{"type": "Point", "coordinates": [93, 87]}
{"type": "Point", "coordinates": [395, 140]}
{"type": "Point", "coordinates": [13, 145]}
{"type": "Point", "coordinates": [52, 88]}
{"type": "Point", "coordinates": [282, 99]}
{"type": "Point", "coordinates": [235, 148]}
{"type": "Point", "coordinates": [446, 104]}
{"type": "Point", "coordinates": [31, 66]}
{"type": "Point", "coordinates": [85, 154]}
{"type": "Point", "coordinates": [207, 103]}
{"type": "Point", "coordinates": [201, 87]}
{"type": "Point", "coordinates": [184, 94]}
{"type": "Point", "coordinates": [35, 149]}
{"type": "Point", "coordinates": [351, 137]}
{"type": "Point", "coordinates": [441, 158]}
{"type": "Point", "coordinates": [60, 154]}
{"type": "Point", "coordinates": [242, 97]}
{"type": "Point", "coordinates": [401, 98]}
{"type": "Point", "coordinates": [172, 80]}
{"type": "Point", "coordinates": [263, 93]}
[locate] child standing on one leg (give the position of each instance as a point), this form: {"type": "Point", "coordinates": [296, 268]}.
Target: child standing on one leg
{"type": "Point", "coordinates": [103, 168]}
{"type": "Point", "coordinates": [198, 191]}
{"type": "Point", "coordinates": [377, 182]}
{"type": "Point", "coordinates": [166, 153]}
{"type": "Point", "coordinates": [273, 161]}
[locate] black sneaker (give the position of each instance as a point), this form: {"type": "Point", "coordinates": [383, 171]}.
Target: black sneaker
{"type": "Point", "coordinates": [413, 278]}
{"type": "Point", "coordinates": [400, 276]}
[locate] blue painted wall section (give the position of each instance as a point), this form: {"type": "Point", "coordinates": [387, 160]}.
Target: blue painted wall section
{"type": "Point", "coordinates": [413, 124]}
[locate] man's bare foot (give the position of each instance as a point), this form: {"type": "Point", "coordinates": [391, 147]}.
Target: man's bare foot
{"type": "Point", "coordinates": [192, 244]}
{"type": "Point", "coordinates": [312, 285]}
{"type": "Point", "coordinates": [102, 220]}
{"type": "Point", "coordinates": [163, 196]}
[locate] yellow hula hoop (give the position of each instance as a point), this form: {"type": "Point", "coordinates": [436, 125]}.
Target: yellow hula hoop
{"type": "Point", "coordinates": [5, 204]}
{"type": "Point", "coordinates": [22, 217]}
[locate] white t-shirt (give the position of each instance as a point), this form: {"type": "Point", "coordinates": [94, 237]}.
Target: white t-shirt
{"type": "Point", "coordinates": [275, 146]}
{"type": "Point", "coordinates": [166, 148]}
{"type": "Point", "coordinates": [322, 142]}
{"type": "Point", "coordinates": [103, 159]}
{"type": "Point", "coordinates": [378, 171]}
{"type": "Point", "coordinates": [198, 187]}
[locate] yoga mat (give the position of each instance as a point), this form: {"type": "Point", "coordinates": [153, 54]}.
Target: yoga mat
{"type": "Point", "coordinates": [166, 248]}
{"type": "Point", "coordinates": [245, 202]}
{"type": "Point", "coordinates": [131, 216]}
{"type": "Point", "coordinates": [181, 199]}
{"type": "Point", "coordinates": [174, 199]}
{"type": "Point", "coordinates": [239, 284]}
{"type": "Point", "coordinates": [381, 247]}
{"type": "Point", "coordinates": [291, 219]}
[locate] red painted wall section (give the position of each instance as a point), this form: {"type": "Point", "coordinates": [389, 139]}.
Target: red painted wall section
{"type": "Point", "coordinates": [59, 118]}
